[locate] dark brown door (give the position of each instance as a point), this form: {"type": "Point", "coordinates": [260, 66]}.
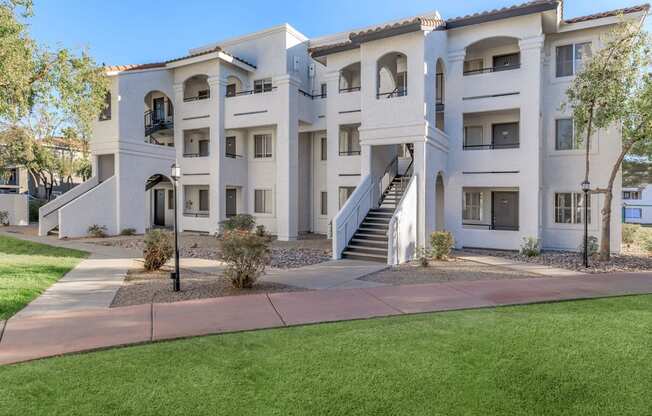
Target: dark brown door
{"type": "Point", "coordinates": [231, 203]}
{"type": "Point", "coordinates": [159, 207]}
{"type": "Point", "coordinates": [158, 115]}
{"type": "Point", "coordinates": [505, 210]}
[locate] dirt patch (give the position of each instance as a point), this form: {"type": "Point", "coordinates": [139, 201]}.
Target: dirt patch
{"type": "Point", "coordinates": [452, 270]}
{"type": "Point", "coordinates": [142, 287]}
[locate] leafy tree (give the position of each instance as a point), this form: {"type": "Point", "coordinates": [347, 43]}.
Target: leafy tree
{"type": "Point", "coordinates": [613, 89]}
{"type": "Point", "coordinates": [44, 94]}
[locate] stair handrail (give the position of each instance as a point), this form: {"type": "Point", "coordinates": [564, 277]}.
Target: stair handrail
{"type": "Point", "coordinates": [387, 177]}
{"type": "Point", "coordinates": [350, 216]}
{"type": "Point", "coordinates": [395, 225]}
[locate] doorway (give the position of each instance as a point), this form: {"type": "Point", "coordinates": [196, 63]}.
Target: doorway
{"type": "Point", "coordinates": [504, 207]}
{"type": "Point", "coordinates": [159, 207]}
{"type": "Point", "coordinates": [231, 202]}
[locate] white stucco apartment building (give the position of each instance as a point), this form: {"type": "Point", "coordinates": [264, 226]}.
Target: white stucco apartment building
{"type": "Point", "coordinates": [637, 205]}
{"type": "Point", "coordinates": [377, 136]}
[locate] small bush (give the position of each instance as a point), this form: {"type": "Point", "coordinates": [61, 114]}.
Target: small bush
{"type": "Point", "coordinates": [4, 217]}
{"type": "Point", "coordinates": [262, 232]}
{"type": "Point", "coordinates": [97, 231]}
{"type": "Point", "coordinates": [530, 247]}
{"type": "Point", "coordinates": [242, 222]}
{"type": "Point", "coordinates": [423, 256]}
{"type": "Point", "coordinates": [647, 244]}
{"type": "Point", "coordinates": [34, 205]}
{"type": "Point", "coordinates": [128, 231]}
{"type": "Point", "coordinates": [630, 232]}
{"type": "Point", "coordinates": [593, 246]}
{"type": "Point", "coordinates": [246, 255]}
{"type": "Point", "coordinates": [441, 243]}
{"type": "Point", "coordinates": [158, 249]}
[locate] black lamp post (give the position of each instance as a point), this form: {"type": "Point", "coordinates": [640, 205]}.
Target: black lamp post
{"type": "Point", "coordinates": [175, 276]}
{"type": "Point", "coordinates": [586, 187]}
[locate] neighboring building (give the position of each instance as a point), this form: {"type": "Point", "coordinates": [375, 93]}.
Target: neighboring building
{"type": "Point", "coordinates": [377, 136]}
{"type": "Point", "coordinates": [15, 180]}
{"type": "Point", "coordinates": [637, 205]}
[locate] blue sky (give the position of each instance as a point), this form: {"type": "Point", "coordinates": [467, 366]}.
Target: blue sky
{"type": "Point", "coordinates": [123, 32]}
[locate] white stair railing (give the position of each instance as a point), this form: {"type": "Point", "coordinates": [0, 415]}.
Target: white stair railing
{"type": "Point", "coordinates": [349, 218]}
{"type": "Point", "coordinates": [48, 217]}
{"type": "Point", "coordinates": [402, 232]}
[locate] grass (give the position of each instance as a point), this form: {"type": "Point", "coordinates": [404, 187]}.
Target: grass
{"type": "Point", "coordinates": [27, 269]}
{"type": "Point", "coordinates": [571, 358]}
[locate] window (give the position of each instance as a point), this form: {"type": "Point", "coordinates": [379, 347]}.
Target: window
{"type": "Point", "coordinates": [170, 199]}
{"type": "Point", "coordinates": [203, 148]}
{"type": "Point", "coordinates": [570, 58]}
{"type": "Point", "coordinates": [633, 213]}
{"type": "Point", "coordinates": [263, 201]}
{"type": "Point", "coordinates": [565, 134]}
{"type": "Point", "coordinates": [569, 208]}
{"type": "Point", "coordinates": [324, 203]}
{"type": "Point", "coordinates": [473, 136]}
{"type": "Point", "coordinates": [632, 195]}
{"type": "Point", "coordinates": [262, 146]}
{"type": "Point", "coordinates": [349, 141]}
{"type": "Point", "coordinates": [473, 65]}
{"type": "Point", "coordinates": [203, 199]}
{"type": "Point", "coordinates": [472, 206]}
{"type": "Point", "coordinates": [230, 147]}
{"type": "Point", "coordinates": [324, 90]}
{"type": "Point", "coordinates": [106, 111]}
{"type": "Point", "coordinates": [324, 148]}
{"type": "Point", "coordinates": [231, 90]}
{"type": "Point", "coordinates": [345, 193]}
{"type": "Point", "coordinates": [506, 62]}
{"type": "Point", "coordinates": [262, 85]}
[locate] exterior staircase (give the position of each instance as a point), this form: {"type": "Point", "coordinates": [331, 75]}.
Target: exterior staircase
{"type": "Point", "coordinates": [369, 243]}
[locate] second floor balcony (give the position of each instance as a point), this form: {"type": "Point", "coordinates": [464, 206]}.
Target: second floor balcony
{"type": "Point", "coordinates": [158, 119]}
{"type": "Point", "coordinates": [492, 130]}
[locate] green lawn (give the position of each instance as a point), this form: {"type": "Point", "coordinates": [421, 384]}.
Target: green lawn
{"type": "Point", "coordinates": [27, 269]}
{"type": "Point", "coordinates": [573, 358]}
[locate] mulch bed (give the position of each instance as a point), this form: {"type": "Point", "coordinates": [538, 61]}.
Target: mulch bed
{"type": "Point", "coordinates": [453, 269]}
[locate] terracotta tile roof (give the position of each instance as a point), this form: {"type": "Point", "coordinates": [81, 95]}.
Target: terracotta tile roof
{"type": "Point", "coordinates": [610, 13]}
{"type": "Point", "coordinates": [510, 11]}
{"type": "Point", "coordinates": [325, 49]}
{"type": "Point", "coordinates": [427, 21]}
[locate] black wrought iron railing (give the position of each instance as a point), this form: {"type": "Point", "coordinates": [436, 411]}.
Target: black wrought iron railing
{"type": "Point", "coordinates": [252, 92]}
{"type": "Point", "coordinates": [201, 95]}
{"type": "Point", "coordinates": [494, 227]}
{"type": "Point", "coordinates": [349, 152]}
{"type": "Point", "coordinates": [233, 155]}
{"type": "Point", "coordinates": [196, 214]}
{"type": "Point", "coordinates": [439, 106]}
{"type": "Point", "coordinates": [492, 69]}
{"type": "Point", "coordinates": [156, 120]}
{"type": "Point", "coordinates": [398, 92]}
{"type": "Point", "coordinates": [350, 89]}
{"type": "Point", "coordinates": [195, 155]}
{"type": "Point", "coordinates": [491, 146]}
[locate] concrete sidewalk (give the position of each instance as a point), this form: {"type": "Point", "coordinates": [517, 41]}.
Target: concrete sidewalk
{"type": "Point", "coordinates": [31, 337]}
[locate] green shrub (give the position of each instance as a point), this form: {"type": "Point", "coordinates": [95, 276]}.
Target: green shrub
{"type": "Point", "coordinates": [630, 232]}
{"type": "Point", "coordinates": [262, 232]}
{"type": "Point", "coordinates": [647, 244]}
{"type": "Point", "coordinates": [158, 249]}
{"type": "Point", "coordinates": [97, 231]}
{"type": "Point", "coordinates": [423, 256]}
{"type": "Point", "coordinates": [4, 217]}
{"type": "Point", "coordinates": [246, 255]}
{"type": "Point", "coordinates": [441, 243]}
{"type": "Point", "coordinates": [242, 222]}
{"type": "Point", "coordinates": [530, 247]}
{"type": "Point", "coordinates": [128, 231]}
{"type": "Point", "coordinates": [34, 205]}
{"type": "Point", "coordinates": [593, 246]}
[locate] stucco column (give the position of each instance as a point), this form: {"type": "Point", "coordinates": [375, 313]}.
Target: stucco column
{"type": "Point", "coordinates": [217, 202]}
{"type": "Point", "coordinates": [178, 147]}
{"type": "Point", "coordinates": [332, 79]}
{"type": "Point", "coordinates": [530, 177]}
{"type": "Point", "coordinates": [287, 158]}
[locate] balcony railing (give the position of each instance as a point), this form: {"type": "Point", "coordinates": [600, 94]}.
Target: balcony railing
{"type": "Point", "coordinates": [491, 146]}
{"type": "Point", "coordinates": [439, 106]}
{"type": "Point", "coordinates": [201, 95]}
{"type": "Point", "coordinates": [494, 227]}
{"type": "Point", "coordinates": [196, 155]}
{"type": "Point", "coordinates": [156, 121]}
{"type": "Point", "coordinates": [349, 152]}
{"type": "Point", "coordinates": [251, 92]}
{"type": "Point", "coordinates": [492, 69]}
{"type": "Point", "coordinates": [398, 92]}
{"type": "Point", "coordinates": [233, 155]}
{"type": "Point", "coordinates": [311, 96]}
{"type": "Point", "coordinates": [196, 214]}
{"type": "Point", "coordinates": [350, 89]}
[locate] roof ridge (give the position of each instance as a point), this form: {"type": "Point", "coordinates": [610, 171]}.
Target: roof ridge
{"type": "Point", "coordinates": [609, 13]}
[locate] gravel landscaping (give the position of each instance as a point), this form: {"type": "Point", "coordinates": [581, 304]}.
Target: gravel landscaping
{"type": "Point", "coordinates": [309, 249]}
{"type": "Point", "coordinates": [574, 261]}
{"type": "Point", "coordinates": [142, 287]}
{"type": "Point", "coordinates": [453, 269]}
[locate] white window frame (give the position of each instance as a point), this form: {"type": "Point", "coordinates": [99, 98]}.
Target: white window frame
{"type": "Point", "coordinates": [265, 85]}
{"type": "Point", "coordinates": [268, 206]}
{"type": "Point", "coordinates": [574, 43]}
{"type": "Point", "coordinates": [465, 204]}
{"type": "Point", "coordinates": [323, 209]}
{"type": "Point", "coordinates": [575, 142]}
{"type": "Point", "coordinates": [577, 210]}
{"type": "Point", "coordinates": [267, 146]}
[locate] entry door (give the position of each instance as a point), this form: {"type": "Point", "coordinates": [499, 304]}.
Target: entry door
{"type": "Point", "coordinates": [159, 207]}
{"type": "Point", "coordinates": [505, 210]}
{"type": "Point", "coordinates": [231, 203]}
{"type": "Point", "coordinates": [159, 110]}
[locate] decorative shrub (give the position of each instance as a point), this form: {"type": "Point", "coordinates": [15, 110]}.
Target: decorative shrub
{"type": "Point", "coordinates": [4, 217]}
{"type": "Point", "coordinates": [593, 246]}
{"type": "Point", "coordinates": [34, 205]}
{"type": "Point", "coordinates": [423, 256]}
{"type": "Point", "coordinates": [630, 232]}
{"type": "Point", "coordinates": [158, 249]}
{"type": "Point", "coordinates": [441, 243]}
{"type": "Point", "coordinates": [246, 254]}
{"type": "Point", "coordinates": [262, 232]}
{"type": "Point", "coordinates": [243, 222]}
{"type": "Point", "coordinates": [97, 231]}
{"type": "Point", "coordinates": [647, 244]}
{"type": "Point", "coordinates": [128, 231]}
{"type": "Point", "coordinates": [530, 247]}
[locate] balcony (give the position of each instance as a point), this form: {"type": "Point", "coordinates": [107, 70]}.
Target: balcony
{"type": "Point", "coordinates": [495, 209]}
{"type": "Point", "coordinates": [157, 123]}
{"type": "Point", "coordinates": [196, 88]}
{"type": "Point", "coordinates": [492, 130]}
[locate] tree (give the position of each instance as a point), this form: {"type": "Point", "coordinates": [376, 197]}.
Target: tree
{"type": "Point", "coordinates": [613, 89]}
{"type": "Point", "coordinates": [44, 94]}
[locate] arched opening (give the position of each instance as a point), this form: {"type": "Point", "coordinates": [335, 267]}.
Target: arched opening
{"type": "Point", "coordinates": [391, 75]}
{"type": "Point", "coordinates": [440, 91]}
{"type": "Point", "coordinates": [233, 86]}
{"type": "Point", "coordinates": [350, 78]}
{"type": "Point", "coordinates": [159, 202]}
{"type": "Point", "coordinates": [439, 203]}
{"type": "Point", "coordinates": [159, 119]}
{"type": "Point", "coordinates": [196, 88]}
{"type": "Point", "coordinates": [494, 54]}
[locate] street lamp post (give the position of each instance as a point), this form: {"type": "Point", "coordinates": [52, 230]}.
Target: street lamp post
{"type": "Point", "coordinates": [175, 276]}
{"type": "Point", "coordinates": [586, 187]}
